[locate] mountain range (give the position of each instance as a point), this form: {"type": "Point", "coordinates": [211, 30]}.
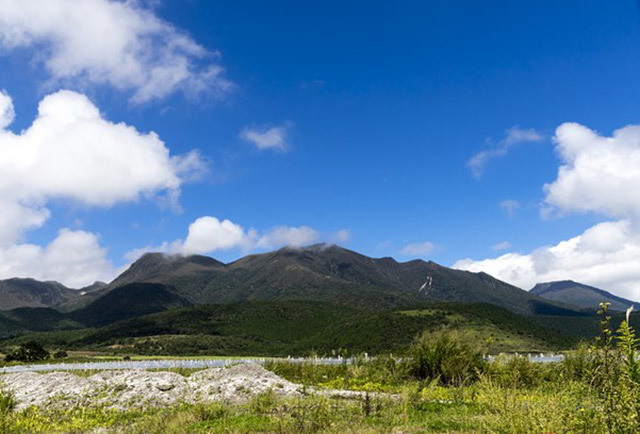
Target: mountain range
{"type": "Point", "coordinates": [291, 299]}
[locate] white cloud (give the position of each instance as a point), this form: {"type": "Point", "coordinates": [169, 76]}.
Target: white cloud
{"type": "Point", "coordinates": [513, 136]}
{"type": "Point", "coordinates": [6, 110]}
{"type": "Point", "coordinates": [73, 258]}
{"type": "Point", "coordinates": [71, 152]}
{"type": "Point", "coordinates": [599, 174]}
{"type": "Point", "coordinates": [503, 245]}
{"type": "Point", "coordinates": [208, 234]}
{"type": "Point", "coordinates": [287, 236]}
{"type": "Point", "coordinates": [418, 249]}
{"type": "Point", "coordinates": [340, 237]}
{"type": "Point", "coordinates": [268, 138]}
{"type": "Point", "coordinates": [510, 206]}
{"type": "Point", "coordinates": [117, 43]}
{"type": "Point", "coordinates": [606, 256]}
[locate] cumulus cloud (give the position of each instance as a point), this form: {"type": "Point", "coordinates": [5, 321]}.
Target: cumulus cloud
{"type": "Point", "coordinates": [287, 236]}
{"type": "Point", "coordinates": [71, 152]}
{"type": "Point", "coordinates": [598, 174]}
{"type": "Point", "coordinates": [6, 110]}
{"type": "Point", "coordinates": [606, 256]}
{"type": "Point", "coordinates": [267, 138]}
{"type": "Point", "coordinates": [418, 249]}
{"type": "Point", "coordinates": [74, 258]}
{"type": "Point", "coordinates": [209, 234]}
{"type": "Point", "coordinates": [513, 137]}
{"type": "Point", "coordinates": [108, 42]}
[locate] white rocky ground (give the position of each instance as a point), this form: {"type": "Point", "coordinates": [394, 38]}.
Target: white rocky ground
{"type": "Point", "coordinates": [138, 388]}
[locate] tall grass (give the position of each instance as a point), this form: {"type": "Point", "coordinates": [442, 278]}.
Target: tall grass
{"type": "Point", "coordinates": [447, 356]}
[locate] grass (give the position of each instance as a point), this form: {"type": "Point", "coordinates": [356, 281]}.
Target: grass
{"type": "Point", "coordinates": [440, 385]}
{"type": "Point", "coordinates": [416, 408]}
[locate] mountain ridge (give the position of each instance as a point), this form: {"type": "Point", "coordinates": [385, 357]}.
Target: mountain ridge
{"type": "Point", "coordinates": [580, 295]}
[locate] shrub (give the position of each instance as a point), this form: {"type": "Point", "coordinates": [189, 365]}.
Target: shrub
{"type": "Point", "coordinates": [518, 371]}
{"type": "Point", "coordinates": [60, 354]}
{"type": "Point", "coordinates": [579, 363]}
{"type": "Point", "coordinates": [7, 402]}
{"type": "Point", "coordinates": [28, 352]}
{"type": "Point", "coordinates": [446, 355]}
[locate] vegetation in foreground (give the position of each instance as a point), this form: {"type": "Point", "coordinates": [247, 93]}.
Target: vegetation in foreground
{"type": "Point", "coordinates": [443, 386]}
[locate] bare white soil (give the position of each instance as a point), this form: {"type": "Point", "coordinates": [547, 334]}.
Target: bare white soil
{"type": "Point", "coordinates": [137, 388]}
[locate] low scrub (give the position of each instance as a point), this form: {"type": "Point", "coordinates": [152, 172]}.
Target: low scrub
{"type": "Point", "coordinates": [445, 355]}
{"type": "Point", "coordinates": [28, 352]}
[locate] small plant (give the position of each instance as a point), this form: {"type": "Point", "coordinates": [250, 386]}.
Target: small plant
{"type": "Point", "coordinates": [264, 402]}
{"type": "Point", "coordinates": [7, 404]}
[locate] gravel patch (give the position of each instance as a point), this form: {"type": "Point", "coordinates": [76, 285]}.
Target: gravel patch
{"type": "Point", "coordinates": [124, 389]}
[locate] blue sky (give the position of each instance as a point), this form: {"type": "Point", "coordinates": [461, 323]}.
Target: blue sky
{"type": "Point", "coordinates": [381, 106]}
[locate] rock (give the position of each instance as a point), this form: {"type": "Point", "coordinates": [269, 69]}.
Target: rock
{"type": "Point", "coordinates": [121, 389]}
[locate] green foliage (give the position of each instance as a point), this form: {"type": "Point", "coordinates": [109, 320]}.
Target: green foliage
{"type": "Point", "coordinates": [282, 328]}
{"type": "Point", "coordinates": [30, 351]}
{"type": "Point", "coordinates": [61, 354]}
{"type": "Point", "coordinates": [445, 355]}
{"type": "Point", "coordinates": [7, 404]}
{"type": "Point", "coordinates": [578, 364]}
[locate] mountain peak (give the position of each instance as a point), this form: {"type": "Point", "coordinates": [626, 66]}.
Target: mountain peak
{"type": "Point", "coordinates": [579, 294]}
{"type": "Point", "coordinates": [153, 264]}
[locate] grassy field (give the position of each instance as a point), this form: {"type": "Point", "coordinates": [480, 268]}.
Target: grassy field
{"type": "Point", "coordinates": [483, 407]}
{"type": "Point", "coordinates": [441, 384]}
{"type": "Point", "coordinates": [511, 397]}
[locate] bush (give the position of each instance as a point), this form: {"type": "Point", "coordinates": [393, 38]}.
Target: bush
{"type": "Point", "coordinates": [7, 402]}
{"type": "Point", "coordinates": [60, 354]}
{"type": "Point", "coordinates": [28, 352]}
{"type": "Point", "coordinates": [579, 364]}
{"type": "Point", "coordinates": [519, 371]}
{"type": "Point", "coordinates": [445, 355]}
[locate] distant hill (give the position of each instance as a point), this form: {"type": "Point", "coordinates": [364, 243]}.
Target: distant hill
{"type": "Point", "coordinates": [329, 274]}
{"type": "Point", "coordinates": [15, 293]}
{"type": "Point", "coordinates": [580, 295]}
{"type": "Point", "coordinates": [291, 301]}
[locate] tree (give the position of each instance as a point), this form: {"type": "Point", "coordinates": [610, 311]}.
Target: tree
{"type": "Point", "coordinates": [31, 351]}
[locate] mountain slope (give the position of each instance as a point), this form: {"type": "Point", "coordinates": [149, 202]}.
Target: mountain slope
{"type": "Point", "coordinates": [15, 293]}
{"type": "Point", "coordinates": [578, 294]}
{"type": "Point", "coordinates": [128, 301]}
{"type": "Point", "coordinates": [349, 282]}
{"type": "Point", "coordinates": [299, 327]}
{"type": "Point", "coordinates": [329, 274]}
